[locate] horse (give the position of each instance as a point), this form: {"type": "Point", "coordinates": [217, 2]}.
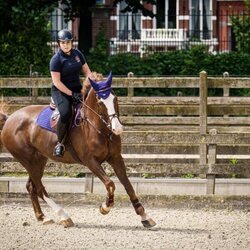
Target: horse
{"type": "Point", "coordinates": [94, 141]}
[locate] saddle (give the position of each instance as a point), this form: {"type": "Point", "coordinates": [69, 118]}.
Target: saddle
{"type": "Point", "coordinates": [54, 118]}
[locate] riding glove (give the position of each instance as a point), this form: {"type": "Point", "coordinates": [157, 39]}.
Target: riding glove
{"type": "Point", "coordinates": [76, 97]}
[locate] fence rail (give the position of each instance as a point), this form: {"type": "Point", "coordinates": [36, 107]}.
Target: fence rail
{"type": "Point", "coordinates": [169, 136]}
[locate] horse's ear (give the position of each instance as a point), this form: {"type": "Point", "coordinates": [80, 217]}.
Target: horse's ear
{"type": "Point", "coordinates": [109, 79]}
{"type": "Point", "coordinates": [93, 84]}
{"type": "Point", "coordinates": [102, 84]}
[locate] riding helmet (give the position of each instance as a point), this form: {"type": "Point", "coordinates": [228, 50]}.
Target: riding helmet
{"type": "Point", "coordinates": [64, 35]}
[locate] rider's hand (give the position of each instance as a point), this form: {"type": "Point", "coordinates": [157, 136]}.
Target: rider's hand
{"type": "Point", "coordinates": [76, 97]}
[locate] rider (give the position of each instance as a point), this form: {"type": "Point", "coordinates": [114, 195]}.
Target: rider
{"type": "Point", "coordinates": [65, 68]}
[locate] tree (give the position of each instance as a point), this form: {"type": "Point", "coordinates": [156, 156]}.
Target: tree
{"type": "Point", "coordinates": [135, 5]}
{"type": "Point", "coordinates": [82, 9]}
{"type": "Point", "coordinates": [24, 36]}
{"type": "Point", "coordinates": [24, 30]}
{"type": "Point", "coordinates": [241, 29]}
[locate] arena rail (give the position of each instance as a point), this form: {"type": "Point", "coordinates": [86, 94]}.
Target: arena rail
{"type": "Point", "coordinates": [204, 136]}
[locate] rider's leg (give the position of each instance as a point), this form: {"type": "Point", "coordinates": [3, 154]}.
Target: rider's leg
{"type": "Point", "coordinates": [62, 129]}
{"type": "Point", "coordinates": [64, 105]}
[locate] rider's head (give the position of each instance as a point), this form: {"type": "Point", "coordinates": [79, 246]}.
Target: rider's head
{"type": "Point", "coordinates": [64, 35]}
{"type": "Point", "coordinates": [65, 40]}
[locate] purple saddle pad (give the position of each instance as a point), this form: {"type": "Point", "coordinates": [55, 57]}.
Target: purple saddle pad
{"type": "Point", "coordinates": [43, 119]}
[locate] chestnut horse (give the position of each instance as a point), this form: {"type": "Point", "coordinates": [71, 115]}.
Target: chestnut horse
{"type": "Point", "coordinates": [95, 141]}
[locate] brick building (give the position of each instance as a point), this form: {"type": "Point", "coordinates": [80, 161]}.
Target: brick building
{"type": "Point", "coordinates": [180, 24]}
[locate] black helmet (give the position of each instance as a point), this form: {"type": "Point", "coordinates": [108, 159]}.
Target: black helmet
{"type": "Point", "coordinates": [64, 35]}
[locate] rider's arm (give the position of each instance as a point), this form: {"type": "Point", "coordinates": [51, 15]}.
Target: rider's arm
{"type": "Point", "coordinates": [56, 79]}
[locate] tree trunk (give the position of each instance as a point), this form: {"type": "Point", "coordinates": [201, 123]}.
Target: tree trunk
{"type": "Point", "coordinates": [85, 28]}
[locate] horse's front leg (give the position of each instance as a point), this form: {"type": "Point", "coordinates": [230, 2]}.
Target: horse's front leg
{"type": "Point", "coordinates": [106, 206]}
{"type": "Point", "coordinates": [119, 167]}
{"type": "Point", "coordinates": [97, 170]}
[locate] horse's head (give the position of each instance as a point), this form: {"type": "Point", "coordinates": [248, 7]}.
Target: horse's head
{"type": "Point", "coordinates": [105, 95]}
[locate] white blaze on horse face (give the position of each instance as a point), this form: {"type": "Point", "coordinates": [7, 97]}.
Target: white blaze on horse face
{"type": "Point", "coordinates": [116, 126]}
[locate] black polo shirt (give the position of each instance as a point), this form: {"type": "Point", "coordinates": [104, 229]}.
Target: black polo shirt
{"type": "Point", "coordinates": [69, 66]}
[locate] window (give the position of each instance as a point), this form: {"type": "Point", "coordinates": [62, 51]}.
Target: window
{"type": "Point", "coordinates": [166, 14]}
{"type": "Point", "coordinates": [171, 14]}
{"type": "Point", "coordinates": [200, 19]}
{"type": "Point", "coordinates": [160, 9]}
{"type": "Point", "coordinates": [58, 23]}
{"type": "Point", "coordinates": [129, 24]}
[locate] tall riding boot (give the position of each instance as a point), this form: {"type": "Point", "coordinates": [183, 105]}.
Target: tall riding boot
{"type": "Point", "coordinates": [61, 133]}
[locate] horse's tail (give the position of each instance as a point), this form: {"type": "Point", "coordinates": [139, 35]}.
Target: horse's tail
{"type": "Point", "coordinates": [3, 119]}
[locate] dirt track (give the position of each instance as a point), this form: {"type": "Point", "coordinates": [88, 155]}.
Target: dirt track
{"type": "Point", "coordinates": [122, 229]}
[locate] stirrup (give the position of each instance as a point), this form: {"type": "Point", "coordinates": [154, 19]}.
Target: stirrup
{"type": "Point", "coordinates": [59, 150]}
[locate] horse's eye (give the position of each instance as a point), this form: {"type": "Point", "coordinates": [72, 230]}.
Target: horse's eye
{"type": "Point", "coordinates": [97, 97]}
{"type": "Point", "coordinates": [99, 101]}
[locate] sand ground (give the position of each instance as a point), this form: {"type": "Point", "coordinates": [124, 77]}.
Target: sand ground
{"type": "Point", "coordinates": [121, 229]}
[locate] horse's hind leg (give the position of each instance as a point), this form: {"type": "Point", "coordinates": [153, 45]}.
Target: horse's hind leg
{"type": "Point", "coordinates": [41, 192]}
{"type": "Point", "coordinates": [34, 199]}
{"type": "Point", "coordinates": [120, 170]}
{"type": "Point", "coordinates": [31, 188]}
{"type": "Point", "coordinates": [23, 155]}
{"type": "Point", "coordinates": [35, 167]}
{"type": "Point", "coordinates": [34, 184]}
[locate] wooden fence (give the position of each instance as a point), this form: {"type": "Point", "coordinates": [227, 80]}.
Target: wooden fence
{"type": "Point", "coordinates": [170, 135]}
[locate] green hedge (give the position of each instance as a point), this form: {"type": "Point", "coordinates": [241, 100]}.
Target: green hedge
{"type": "Point", "coordinates": [181, 63]}
{"type": "Point", "coordinates": [20, 51]}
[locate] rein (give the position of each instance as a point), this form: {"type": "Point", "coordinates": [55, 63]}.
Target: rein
{"type": "Point", "coordinates": [107, 124]}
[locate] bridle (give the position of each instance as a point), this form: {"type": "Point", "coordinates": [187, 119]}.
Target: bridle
{"type": "Point", "coordinates": [108, 123]}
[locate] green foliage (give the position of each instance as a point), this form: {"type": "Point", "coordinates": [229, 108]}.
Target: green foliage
{"type": "Point", "coordinates": [99, 54]}
{"type": "Point", "coordinates": [178, 63]}
{"type": "Point", "coordinates": [181, 63]}
{"type": "Point", "coordinates": [233, 162]}
{"type": "Point", "coordinates": [148, 176]}
{"type": "Point", "coordinates": [241, 29]}
{"type": "Point", "coordinates": [24, 36]}
{"type": "Point", "coordinates": [172, 63]}
{"type": "Point", "coordinates": [20, 50]}
{"type": "Point", "coordinates": [123, 63]}
{"type": "Point", "coordinates": [188, 176]}
{"type": "Point", "coordinates": [175, 63]}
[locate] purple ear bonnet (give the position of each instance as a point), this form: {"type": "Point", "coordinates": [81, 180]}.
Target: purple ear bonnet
{"type": "Point", "coordinates": [102, 88]}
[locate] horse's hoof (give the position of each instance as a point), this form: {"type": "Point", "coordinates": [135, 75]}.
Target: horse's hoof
{"type": "Point", "coordinates": [67, 223]}
{"type": "Point", "coordinates": [104, 210]}
{"type": "Point", "coordinates": [47, 221]}
{"type": "Point", "coordinates": [148, 223]}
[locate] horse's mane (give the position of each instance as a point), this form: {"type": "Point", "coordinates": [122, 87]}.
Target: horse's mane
{"type": "Point", "coordinates": [86, 84]}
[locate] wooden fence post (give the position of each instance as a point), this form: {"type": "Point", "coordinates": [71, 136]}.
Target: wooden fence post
{"type": "Point", "coordinates": [212, 153]}
{"type": "Point", "coordinates": [226, 91]}
{"type": "Point", "coordinates": [34, 95]}
{"type": "Point", "coordinates": [130, 89]}
{"type": "Point", "coordinates": [34, 91]}
{"type": "Point", "coordinates": [203, 115]}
